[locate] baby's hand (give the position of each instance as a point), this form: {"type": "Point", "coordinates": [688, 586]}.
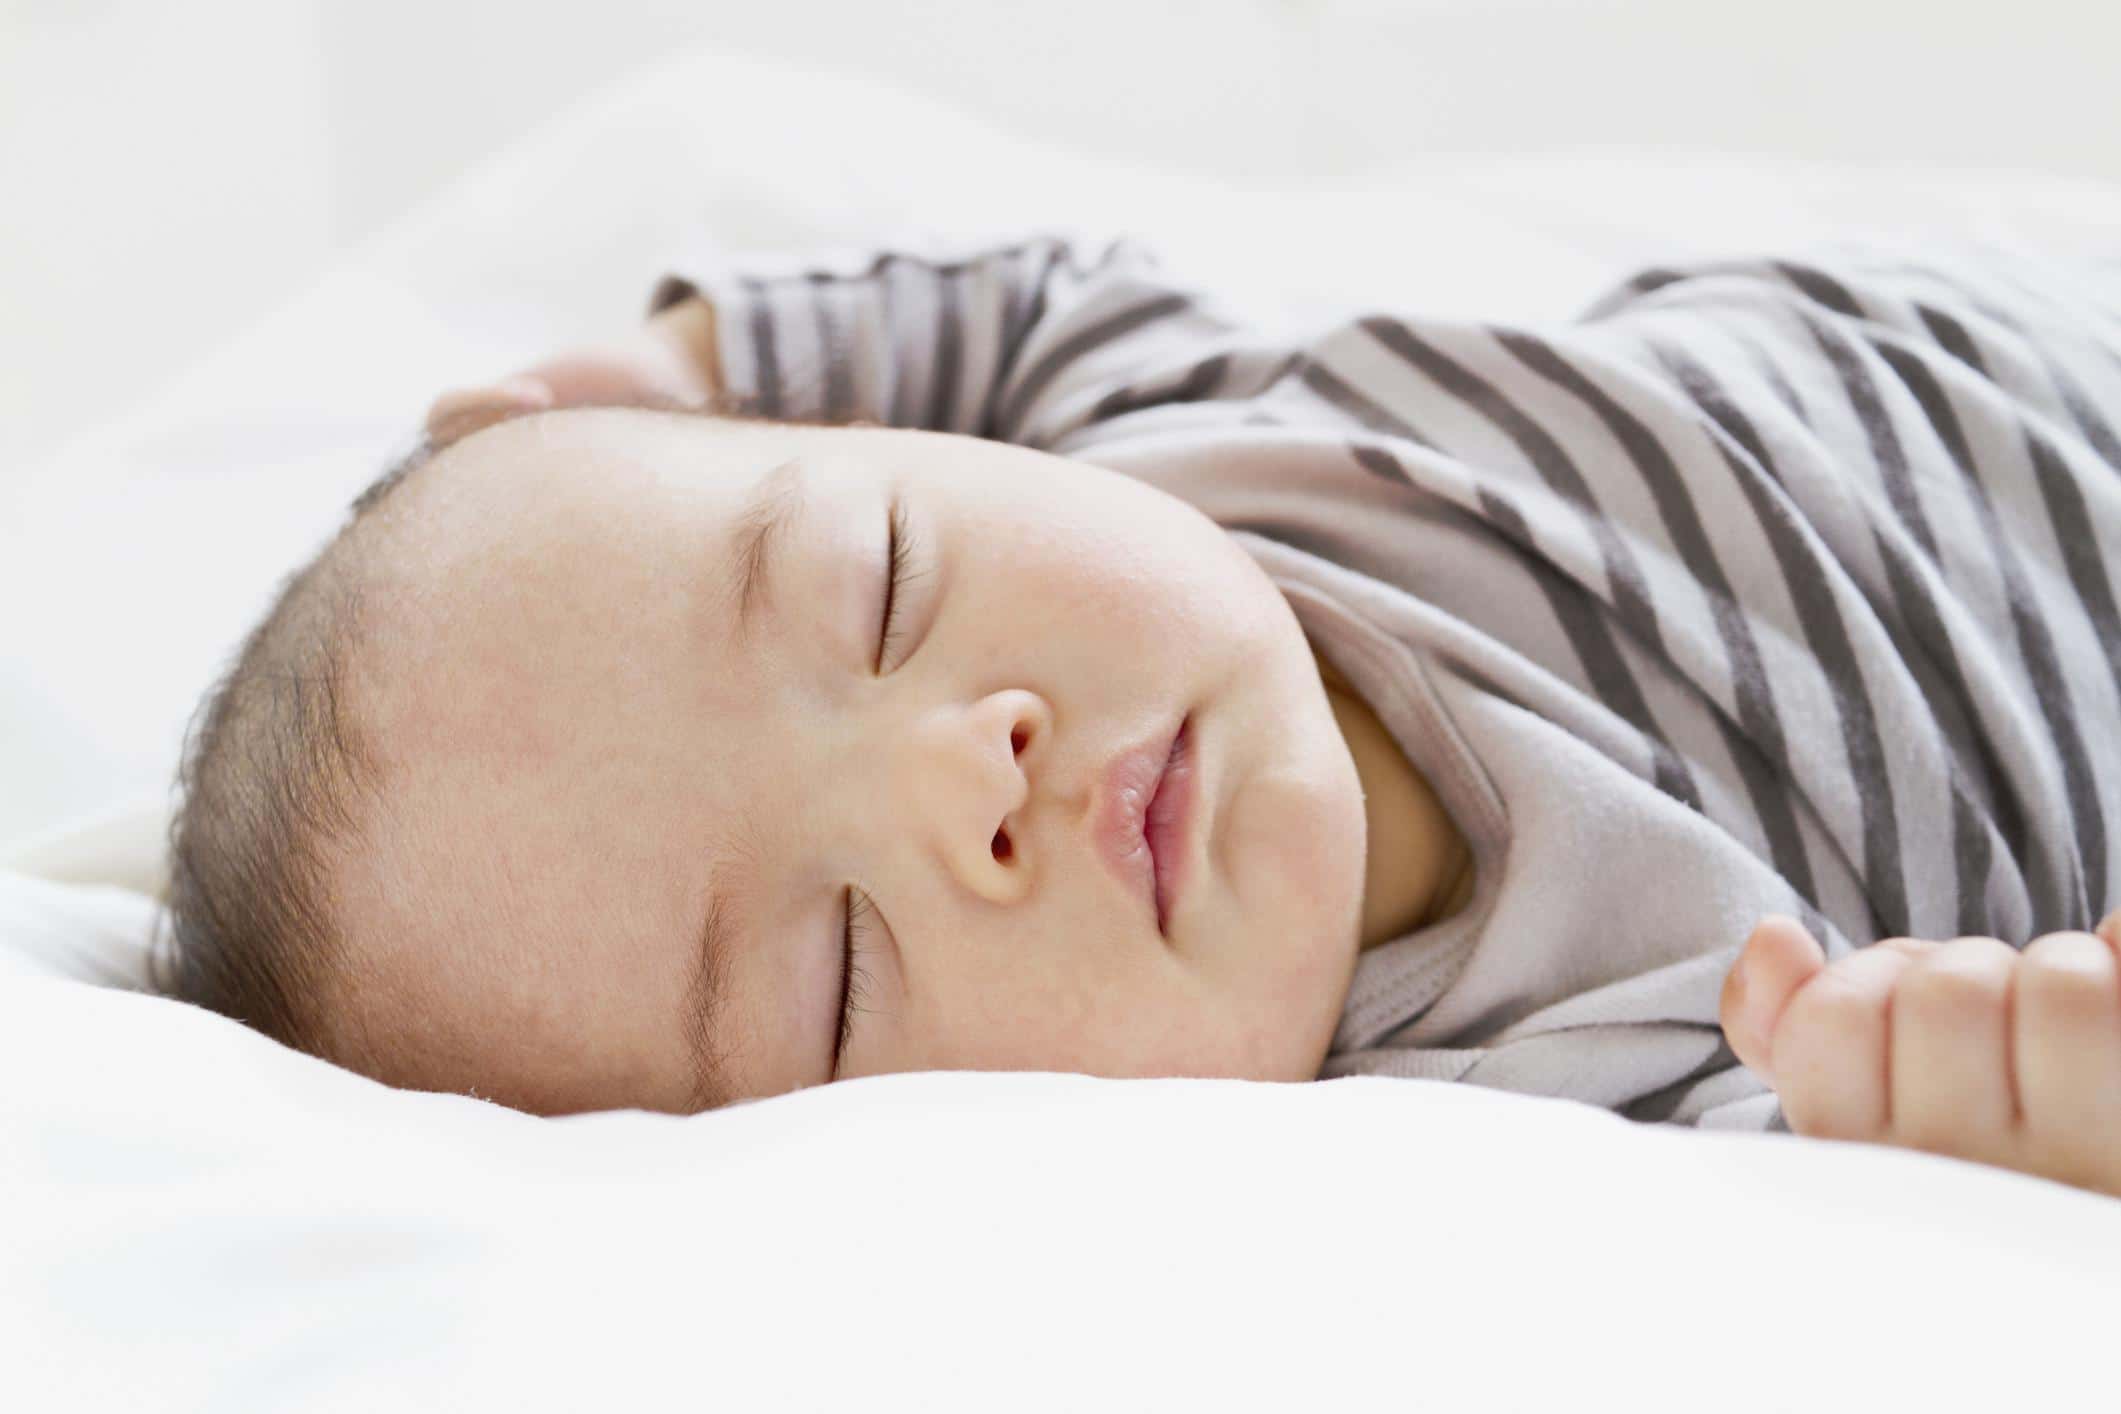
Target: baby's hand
{"type": "Point", "coordinates": [668, 362]}
{"type": "Point", "coordinates": [1970, 1048]}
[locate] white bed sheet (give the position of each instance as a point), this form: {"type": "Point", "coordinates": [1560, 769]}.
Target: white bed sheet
{"type": "Point", "coordinates": [191, 1216]}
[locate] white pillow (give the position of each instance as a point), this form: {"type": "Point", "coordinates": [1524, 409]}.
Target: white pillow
{"type": "Point", "coordinates": [194, 1215]}
{"type": "Point", "coordinates": [197, 1219]}
{"type": "Point", "coordinates": [95, 933]}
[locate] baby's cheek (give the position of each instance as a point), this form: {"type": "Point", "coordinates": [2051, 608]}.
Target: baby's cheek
{"type": "Point", "coordinates": [1288, 840]}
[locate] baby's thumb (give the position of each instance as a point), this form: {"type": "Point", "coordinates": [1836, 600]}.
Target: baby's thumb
{"type": "Point", "coordinates": [1779, 957]}
{"type": "Point", "coordinates": [2110, 929]}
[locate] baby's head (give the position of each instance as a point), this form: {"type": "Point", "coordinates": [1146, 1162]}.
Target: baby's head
{"type": "Point", "coordinates": [551, 779]}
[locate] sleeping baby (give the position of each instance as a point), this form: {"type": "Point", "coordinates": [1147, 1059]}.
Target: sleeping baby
{"type": "Point", "coordinates": [1708, 708]}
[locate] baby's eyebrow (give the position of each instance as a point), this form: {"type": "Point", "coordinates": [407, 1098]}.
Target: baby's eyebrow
{"type": "Point", "coordinates": [768, 516]}
{"type": "Point", "coordinates": [706, 994]}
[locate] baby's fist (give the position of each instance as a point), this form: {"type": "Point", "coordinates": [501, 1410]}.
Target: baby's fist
{"type": "Point", "coordinates": [670, 362]}
{"type": "Point", "coordinates": [1970, 1048]}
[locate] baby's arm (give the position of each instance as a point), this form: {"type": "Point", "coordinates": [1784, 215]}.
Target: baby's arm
{"type": "Point", "coordinates": [1970, 1048]}
{"type": "Point", "coordinates": [1031, 341]}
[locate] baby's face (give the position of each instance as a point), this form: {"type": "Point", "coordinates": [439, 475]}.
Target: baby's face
{"type": "Point", "coordinates": [584, 755]}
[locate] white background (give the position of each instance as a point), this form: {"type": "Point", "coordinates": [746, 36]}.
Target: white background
{"type": "Point", "coordinates": [171, 171]}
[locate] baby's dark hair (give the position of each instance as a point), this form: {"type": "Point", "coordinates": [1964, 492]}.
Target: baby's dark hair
{"type": "Point", "coordinates": [275, 775]}
{"type": "Point", "coordinates": [268, 780]}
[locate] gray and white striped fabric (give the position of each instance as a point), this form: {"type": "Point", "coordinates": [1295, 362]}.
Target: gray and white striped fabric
{"type": "Point", "coordinates": [1770, 583]}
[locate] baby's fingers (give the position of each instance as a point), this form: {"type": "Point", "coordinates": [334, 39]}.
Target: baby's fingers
{"type": "Point", "coordinates": [1820, 1034]}
{"type": "Point", "coordinates": [2067, 1034]}
{"type": "Point", "coordinates": [1778, 958]}
{"type": "Point", "coordinates": [1832, 1049]}
{"type": "Point", "coordinates": [460, 412]}
{"type": "Point", "coordinates": [1953, 1087]}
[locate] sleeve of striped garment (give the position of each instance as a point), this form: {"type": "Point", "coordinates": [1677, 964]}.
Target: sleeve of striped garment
{"type": "Point", "coordinates": [1020, 342]}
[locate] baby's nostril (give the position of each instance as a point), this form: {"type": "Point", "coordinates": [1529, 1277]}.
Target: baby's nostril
{"type": "Point", "coordinates": [1002, 849]}
{"type": "Point", "coordinates": [1016, 741]}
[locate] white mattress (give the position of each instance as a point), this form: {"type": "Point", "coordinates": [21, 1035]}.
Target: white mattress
{"type": "Point", "coordinates": [191, 1216]}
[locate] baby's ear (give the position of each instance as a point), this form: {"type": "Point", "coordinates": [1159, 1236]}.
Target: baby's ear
{"type": "Point", "coordinates": [462, 411]}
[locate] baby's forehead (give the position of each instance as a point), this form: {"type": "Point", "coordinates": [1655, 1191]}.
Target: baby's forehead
{"type": "Point", "coordinates": [586, 463]}
{"type": "Point", "coordinates": [528, 480]}
{"type": "Point", "coordinates": [573, 563]}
